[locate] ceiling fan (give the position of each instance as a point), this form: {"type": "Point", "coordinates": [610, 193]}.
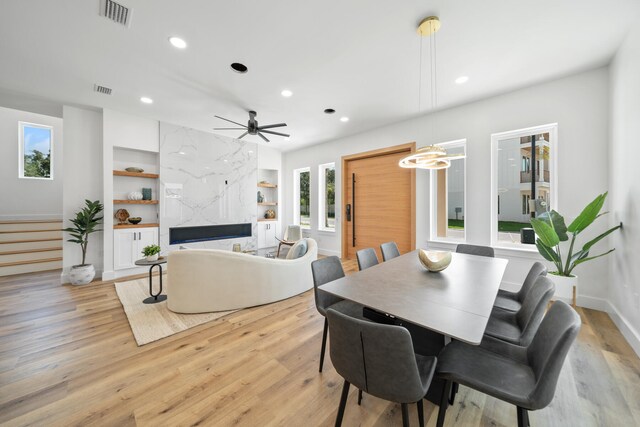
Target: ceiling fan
{"type": "Point", "coordinates": [252, 127]}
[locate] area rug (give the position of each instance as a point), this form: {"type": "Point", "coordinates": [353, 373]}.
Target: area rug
{"type": "Point", "coordinates": [151, 322]}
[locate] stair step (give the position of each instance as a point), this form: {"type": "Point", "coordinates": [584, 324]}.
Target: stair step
{"type": "Point", "coordinates": [28, 231]}
{"type": "Point", "coordinates": [33, 261]}
{"type": "Point", "coordinates": [30, 225]}
{"type": "Point", "coordinates": [30, 236]}
{"type": "Point", "coordinates": [15, 256]}
{"type": "Point", "coordinates": [29, 245]}
{"type": "Point", "coordinates": [30, 268]}
{"type": "Point", "coordinates": [30, 251]}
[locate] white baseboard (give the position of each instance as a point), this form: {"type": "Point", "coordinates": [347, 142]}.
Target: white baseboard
{"type": "Point", "coordinates": [327, 252]}
{"type": "Point", "coordinates": [628, 331]}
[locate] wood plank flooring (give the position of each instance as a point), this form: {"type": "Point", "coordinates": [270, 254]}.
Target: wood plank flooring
{"type": "Point", "coordinates": [67, 357]}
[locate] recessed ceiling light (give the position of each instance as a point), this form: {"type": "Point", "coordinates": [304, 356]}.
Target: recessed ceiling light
{"type": "Point", "coordinates": [286, 138]}
{"type": "Point", "coordinates": [177, 42]}
{"type": "Point", "coordinates": [462, 79]}
{"type": "Point", "coordinates": [239, 68]}
{"type": "Point", "coordinates": [181, 153]}
{"type": "Point", "coordinates": [146, 100]}
{"type": "Point", "coordinates": [344, 119]}
{"type": "Point", "coordinates": [329, 111]}
{"type": "Point", "coordinates": [286, 93]}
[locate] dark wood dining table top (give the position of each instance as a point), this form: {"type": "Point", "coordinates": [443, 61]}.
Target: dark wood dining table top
{"type": "Point", "coordinates": [455, 302]}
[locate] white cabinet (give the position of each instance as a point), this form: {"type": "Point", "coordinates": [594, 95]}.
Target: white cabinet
{"type": "Point", "coordinates": [267, 232]}
{"type": "Point", "coordinates": [128, 244]}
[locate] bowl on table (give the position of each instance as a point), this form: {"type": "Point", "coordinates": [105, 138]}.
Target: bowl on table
{"type": "Point", "coordinates": [434, 261]}
{"type": "Point", "coordinates": [135, 220]}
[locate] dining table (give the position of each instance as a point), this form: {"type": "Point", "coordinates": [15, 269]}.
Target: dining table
{"type": "Point", "coordinates": [436, 307]}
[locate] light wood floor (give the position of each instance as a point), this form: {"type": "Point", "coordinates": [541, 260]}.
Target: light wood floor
{"type": "Point", "coordinates": [67, 357]}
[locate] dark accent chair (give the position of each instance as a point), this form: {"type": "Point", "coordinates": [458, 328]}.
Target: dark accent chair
{"type": "Point", "coordinates": [380, 360]}
{"type": "Point", "coordinates": [512, 301]}
{"type": "Point", "coordinates": [523, 376]}
{"type": "Point", "coordinates": [366, 258]}
{"type": "Point", "coordinates": [475, 250]}
{"type": "Point", "coordinates": [389, 251]}
{"type": "Point", "coordinates": [520, 327]}
{"type": "Point", "coordinates": [326, 270]}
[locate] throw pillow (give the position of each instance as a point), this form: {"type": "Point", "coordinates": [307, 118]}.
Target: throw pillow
{"type": "Point", "coordinates": [298, 250]}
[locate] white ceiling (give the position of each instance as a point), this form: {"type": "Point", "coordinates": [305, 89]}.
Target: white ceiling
{"type": "Point", "coordinates": [360, 57]}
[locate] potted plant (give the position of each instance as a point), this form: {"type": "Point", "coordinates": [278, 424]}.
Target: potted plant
{"type": "Point", "coordinates": [151, 252]}
{"type": "Point", "coordinates": [85, 223]}
{"type": "Point", "coordinates": [550, 229]}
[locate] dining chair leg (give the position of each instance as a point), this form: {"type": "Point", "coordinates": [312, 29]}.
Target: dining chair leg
{"type": "Point", "coordinates": [343, 403]}
{"type": "Point", "coordinates": [523, 417]}
{"type": "Point", "coordinates": [324, 342]}
{"type": "Point", "coordinates": [359, 396]}
{"type": "Point", "coordinates": [454, 391]}
{"type": "Point", "coordinates": [420, 413]}
{"type": "Point", "coordinates": [444, 402]}
{"type": "Point", "coordinates": [405, 415]}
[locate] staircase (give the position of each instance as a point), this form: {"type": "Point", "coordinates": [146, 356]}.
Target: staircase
{"type": "Point", "coordinates": [30, 246]}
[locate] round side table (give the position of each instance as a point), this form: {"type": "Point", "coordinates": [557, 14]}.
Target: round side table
{"type": "Point", "coordinates": [154, 298]}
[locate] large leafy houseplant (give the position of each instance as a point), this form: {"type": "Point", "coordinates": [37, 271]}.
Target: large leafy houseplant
{"type": "Point", "coordinates": [85, 223]}
{"type": "Point", "coordinates": [550, 229]}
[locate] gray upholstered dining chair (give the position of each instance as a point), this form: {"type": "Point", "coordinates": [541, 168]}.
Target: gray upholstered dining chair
{"type": "Point", "coordinates": [475, 250]}
{"type": "Point", "coordinates": [523, 376]}
{"type": "Point", "coordinates": [326, 270]}
{"type": "Point", "coordinates": [380, 360]}
{"type": "Point", "coordinates": [292, 234]}
{"type": "Point", "coordinates": [519, 327]}
{"type": "Point", "coordinates": [512, 301]}
{"type": "Point", "coordinates": [389, 251]}
{"type": "Point", "coordinates": [366, 258]}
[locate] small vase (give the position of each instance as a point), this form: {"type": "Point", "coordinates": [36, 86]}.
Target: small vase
{"type": "Point", "coordinates": [152, 258]}
{"type": "Point", "coordinates": [146, 194]}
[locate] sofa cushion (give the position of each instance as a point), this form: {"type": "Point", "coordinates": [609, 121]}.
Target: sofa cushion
{"type": "Point", "coordinates": [298, 250]}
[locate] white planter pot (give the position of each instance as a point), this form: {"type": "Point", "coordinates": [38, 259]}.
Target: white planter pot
{"type": "Point", "coordinates": [82, 274]}
{"type": "Point", "coordinates": [566, 287]}
{"type": "Point", "coordinates": [152, 257]}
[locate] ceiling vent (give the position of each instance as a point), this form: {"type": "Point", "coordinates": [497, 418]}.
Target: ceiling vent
{"type": "Point", "coordinates": [102, 89]}
{"type": "Point", "coordinates": [115, 12]}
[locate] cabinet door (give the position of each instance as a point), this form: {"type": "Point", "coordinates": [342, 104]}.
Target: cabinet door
{"type": "Point", "coordinates": [125, 244]}
{"type": "Point", "coordinates": [262, 235]}
{"type": "Point", "coordinates": [270, 237]}
{"type": "Point", "coordinates": [146, 237]}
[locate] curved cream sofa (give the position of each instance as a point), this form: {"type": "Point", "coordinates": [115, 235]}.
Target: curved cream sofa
{"type": "Point", "coordinates": [205, 280]}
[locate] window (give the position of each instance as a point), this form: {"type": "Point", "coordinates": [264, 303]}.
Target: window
{"type": "Point", "coordinates": [327, 197]}
{"type": "Point", "coordinates": [523, 190]}
{"type": "Point", "coordinates": [448, 196]}
{"type": "Point", "coordinates": [35, 151]}
{"type": "Point", "coordinates": [301, 197]}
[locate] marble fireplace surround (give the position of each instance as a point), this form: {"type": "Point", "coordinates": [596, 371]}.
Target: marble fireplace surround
{"type": "Point", "coordinates": [206, 179]}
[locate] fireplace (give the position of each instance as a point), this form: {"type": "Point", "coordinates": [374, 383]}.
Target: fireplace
{"type": "Point", "coordinates": [203, 233]}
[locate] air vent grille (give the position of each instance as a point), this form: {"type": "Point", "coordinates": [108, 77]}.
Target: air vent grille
{"type": "Point", "coordinates": [116, 12]}
{"type": "Point", "coordinates": [102, 89]}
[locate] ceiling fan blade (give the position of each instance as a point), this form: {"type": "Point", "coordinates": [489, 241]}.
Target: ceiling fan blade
{"type": "Point", "coordinates": [279, 125]}
{"type": "Point", "coordinates": [243, 135]}
{"type": "Point", "coordinates": [230, 128]}
{"type": "Point", "coordinates": [274, 133]}
{"type": "Point", "coordinates": [231, 121]}
{"type": "Point", "coordinates": [262, 136]}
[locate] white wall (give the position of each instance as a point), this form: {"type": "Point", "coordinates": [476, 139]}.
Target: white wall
{"type": "Point", "coordinates": [624, 285]}
{"type": "Point", "coordinates": [577, 103]}
{"type": "Point", "coordinates": [82, 179]}
{"type": "Point", "coordinates": [28, 198]}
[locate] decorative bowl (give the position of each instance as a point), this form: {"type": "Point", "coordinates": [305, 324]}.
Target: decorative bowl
{"type": "Point", "coordinates": [434, 261]}
{"type": "Point", "coordinates": [135, 220]}
{"type": "Point", "coordinates": [122, 215]}
{"type": "Point", "coordinates": [134, 169]}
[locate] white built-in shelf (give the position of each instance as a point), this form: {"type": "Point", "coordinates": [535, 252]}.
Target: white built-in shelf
{"type": "Point", "coordinates": [139, 225]}
{"type": "Point", "coordinates": [267, 185]}
{"type": "Point", "coordinates": [268, 204]}
{"type": "Point", "coordinates": [135, 202]}
{"type": "Point", "coordinates": [136, 174]}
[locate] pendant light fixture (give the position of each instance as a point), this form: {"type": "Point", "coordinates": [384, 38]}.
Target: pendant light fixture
{"type": "Point", "coordinates": [431, 156]}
